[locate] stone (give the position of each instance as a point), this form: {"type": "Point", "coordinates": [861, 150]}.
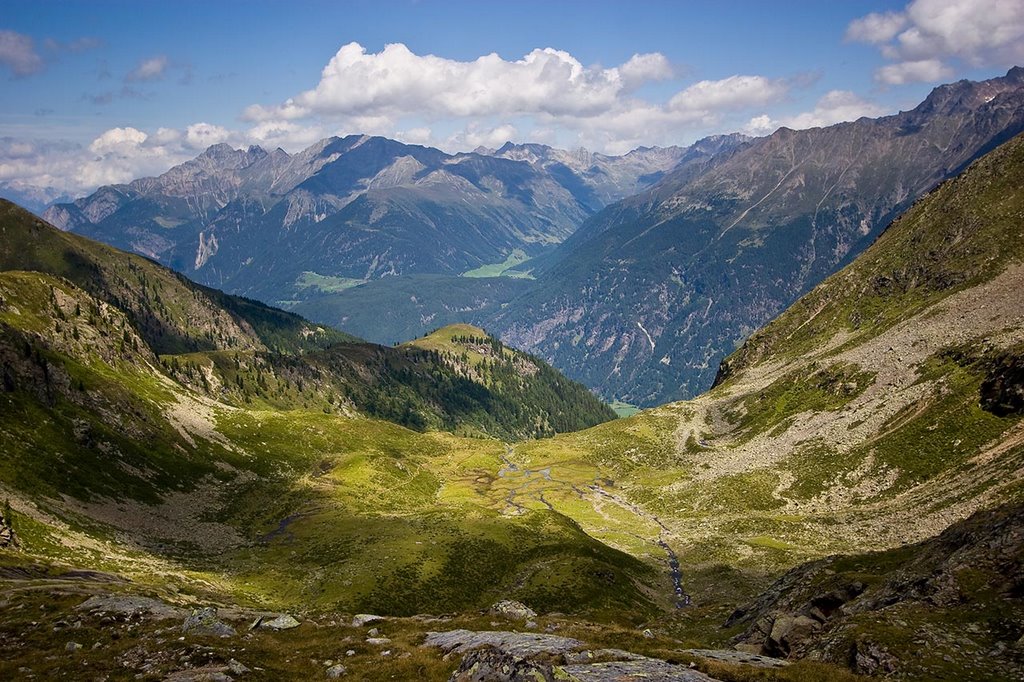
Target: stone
{"type": "Point", "coordinates": [494, 665]}
{"type": "Point", "coordinates": [522, 644]}
{"type": "Point", "coordinates": [737, 656]}
{"type": "Point", "coordinates": [378, 641]}
{"type": "Point", "coordinates": [336, 671]}
{"type": "Point", "coordinates": [350, 652]}
{"type": "Point", "coordinates": [236, 667]}
{"type": "Point", "coordinates": [282, 622]}
{"type": "Point", "coordinates": [204, 674]}
{"type": "Point", "coordinates": [872, 659]}
{"type": "Point", "coordinates": [648, 634]}
{"type": "Point", "coordinates": [646, 669]}
{"type": "Point", "coordinates": [204, 621]}
{"type": "Point", "coordinates": [373, 632]}
{"type": "Point", "coordinates": [72, 647]}
{"type": "Point", "coordinates": [514, 610]}
{"type": "Point", "coordinates": [124, 605]}
{"type": "Point", "coordinates": [361, 619]}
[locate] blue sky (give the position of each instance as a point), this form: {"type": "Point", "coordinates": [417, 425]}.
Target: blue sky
{"type": "Point", "coordinates": [97, 92]}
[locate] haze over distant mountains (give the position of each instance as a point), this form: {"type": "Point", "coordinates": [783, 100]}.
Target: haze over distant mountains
{"type": "Point", "coordinates": [679, 254]}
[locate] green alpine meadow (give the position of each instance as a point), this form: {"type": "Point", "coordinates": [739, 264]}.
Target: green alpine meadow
{"type": "Point", "coordinates": [493, 342]}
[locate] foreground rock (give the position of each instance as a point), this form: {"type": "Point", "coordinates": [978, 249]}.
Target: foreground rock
{"type": "Point", "coordinates": [204, 621]}
{"type": "Point", "coordinates": [737, 657]}
{"type": "Point", "coordinates": [519, 644]}
{"type": "Point", "coordinates": [495, 656]}
{"type": "Point", "coordinates": [283, 622]}
{"type": "Point", "coordinates": [124, 605]}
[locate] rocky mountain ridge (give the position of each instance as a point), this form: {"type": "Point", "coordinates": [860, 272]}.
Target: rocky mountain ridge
{"type": "Point", "coordinates": [646, 298]}
{"type": "Point", "coordinates": [356, 208]}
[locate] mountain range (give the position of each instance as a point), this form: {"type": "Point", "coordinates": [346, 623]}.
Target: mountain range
{"type": "Point", "coordinates": [634, 275]}
{"type": "Point", "coordinates": [264, 224]}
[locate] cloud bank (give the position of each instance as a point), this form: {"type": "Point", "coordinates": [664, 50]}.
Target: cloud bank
{"type": "Point", "coordinates": [924, 40]}
{"type": "Point", "coordinates": [545, 90]}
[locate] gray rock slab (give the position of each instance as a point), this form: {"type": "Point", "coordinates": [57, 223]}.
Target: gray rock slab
{"type": "Point", "coordinates": [740, 657]}
{"type": "Point", "coordinates": [522, 644]}
{"type": "Point", "coordinates": [647, 669]}
{"type": "Point", "coordinates": [127, 605]}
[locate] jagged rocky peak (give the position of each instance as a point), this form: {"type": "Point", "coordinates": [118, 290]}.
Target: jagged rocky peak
{"type": "Point", "coordinates": [969, 95]}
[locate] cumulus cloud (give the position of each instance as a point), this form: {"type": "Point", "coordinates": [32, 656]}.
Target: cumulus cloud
{"type": "Point", "coordinates": [734, 92]}
{"type": "Point", "coordinates": [397, 80]}
{"type": "Point", "coordinates": [923, 39]}
{"type": "Point", "coordinates": [919, 71]}
{"type": "Point", "coordinates": [18, 54]}
{"type": "Point", "coordinates": [203, 135]}
{"type": "Point", "coordinates": [464, 103]}
{"type": "Point", "coordinates": [151, 69]}
{"type": "Point", "coordinates": [876, 28]}
{"type": "Point", "coordinates": [476, 136]}
{"type": "Point", "coordinates": [836, 106]}
{"type": "Point", "coordinates": [645, 68]}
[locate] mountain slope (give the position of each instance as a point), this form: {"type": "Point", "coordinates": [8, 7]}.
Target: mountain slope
{"type": "Point", "coordinates": [239, 351]}
{"type": "Point", "coordinates": [646, 297]}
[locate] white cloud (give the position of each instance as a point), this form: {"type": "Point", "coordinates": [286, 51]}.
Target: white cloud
{"type": "Point", "coordinates": [549, 91]}
{"type": "Point", "coordinates": [928, 35]}
{"type": "Point", "coordinates": [148, 70]}
{"type": "Point", "coordinates": [734, 92]}
{"type": "Point", "coordinates": [118, 140]}
{"type": "Point", "coordinates": [645, 68]}
{"type": "Point", "coordinates": [876, 27]}
{"type": "Point", "coordinates": [420, 135]}
{"type": "Point", "coordinates": [920, 71]}
{"type": "Point", "coordinates": [761, 125]}
{"type": "Point", "coordinates": [834, 107]}
{"type": "Point", "coordinates": [396, 80]}
{"type": "Point", "coordinates": [203, 135]}
{"type": "Point", "coordinates": [473, 137]}
{"type": "Point", "coordinates": [18, 53]}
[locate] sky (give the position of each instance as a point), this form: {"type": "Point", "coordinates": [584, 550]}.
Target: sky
{"type": "Point", "coordinates": [103, 92]}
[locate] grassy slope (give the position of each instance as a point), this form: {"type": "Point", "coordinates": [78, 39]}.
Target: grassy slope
{"type": "Point", "coordinates": [853, 422]}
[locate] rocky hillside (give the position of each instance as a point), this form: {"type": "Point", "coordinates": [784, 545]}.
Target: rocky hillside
{"type": "Point", "coordinates": [650, 294]}
{"type": "Point", "coordinates": [946, 608]}
{"type": "Point", "coordinates": [350, 209]}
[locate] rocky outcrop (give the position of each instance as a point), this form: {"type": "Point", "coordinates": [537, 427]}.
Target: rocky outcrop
{"type": "Point", "coordinates": [826, 609]}
{"type": "Point", "coordinates": [8, 538]}
{"type": "Point", "coordinates": [494, 656]}
{"type": "Point", "coordinates": [204, 621]}
{"type": "Point", "coordinates": [513, 609]}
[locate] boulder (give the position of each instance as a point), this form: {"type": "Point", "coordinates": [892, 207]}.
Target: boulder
{"type": "Point", "coordinates": [336, 671]}
{"type": "Point", "coordinates": [204, 621]}
{"type": "Point", "coordinates": [282, 622]}
{"type": "Point", "coordinates": [126, 605]}
{"type": "Point", "coordinates": [493, 665]}
{"type": "Point", "coordinates": [522, 644]}
{"type": "Point", "coordinates": [514, 610]}
{"type": "Point", "coordinates": [362, 619]}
